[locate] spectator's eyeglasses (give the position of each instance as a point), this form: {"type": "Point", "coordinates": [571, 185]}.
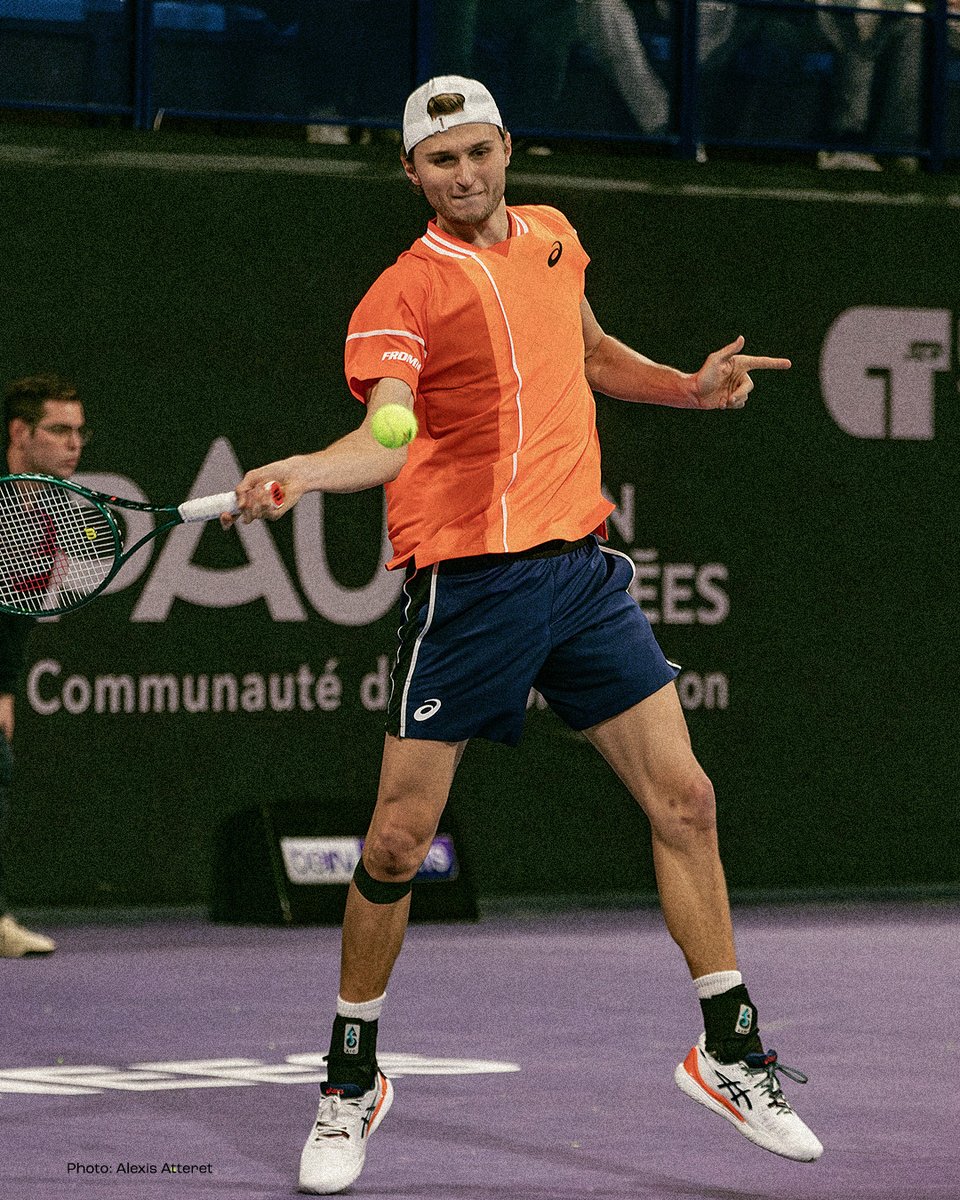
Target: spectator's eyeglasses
{"type": "Point", "coordinates": [64, 432]}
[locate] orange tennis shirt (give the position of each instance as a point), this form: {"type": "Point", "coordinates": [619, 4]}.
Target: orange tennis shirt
{"type": "Point", "coordinates": [490, 343]}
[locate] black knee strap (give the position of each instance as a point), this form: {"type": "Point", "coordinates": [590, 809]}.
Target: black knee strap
{"type": "Point", "coordinates": [377, 892]}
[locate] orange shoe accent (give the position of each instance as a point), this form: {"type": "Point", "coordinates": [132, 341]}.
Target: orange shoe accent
{"type": "Point", "coordinates": [383, 1096]}
{"type": "Point", "coordinates": [691, 1068]}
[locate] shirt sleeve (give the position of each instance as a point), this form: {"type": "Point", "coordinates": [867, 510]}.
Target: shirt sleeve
{"type": "Point", "coordinates": [387, 336]}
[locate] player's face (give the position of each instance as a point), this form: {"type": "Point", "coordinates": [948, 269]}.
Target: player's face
{"type": "Point", "coordinates": [53, 445]}
{"type": "Point", "coordinates": [463, 174]}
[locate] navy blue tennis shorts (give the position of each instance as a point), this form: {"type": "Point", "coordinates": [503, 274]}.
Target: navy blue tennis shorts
{"type": "Point", "coordinates": [478, 634]}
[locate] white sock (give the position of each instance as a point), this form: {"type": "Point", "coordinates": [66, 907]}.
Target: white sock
{"type": "Point", "coordinates": [715, 983]}
{"type": "Point", "coordinates": [365, 1010]}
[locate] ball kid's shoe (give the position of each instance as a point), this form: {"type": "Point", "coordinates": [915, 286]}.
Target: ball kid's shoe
{"type": "Point", "coordinates": [749, 1095]}
{"type": "Point", "coordinates": [333, 1156]}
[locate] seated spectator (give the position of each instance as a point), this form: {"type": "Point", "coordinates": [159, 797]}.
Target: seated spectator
{"type": "Point", "coordinates": [876, 97]}
{"type": "Point", "coordinates": [636, 44]}
{"type": "Point", "coordinates": [609, 29]}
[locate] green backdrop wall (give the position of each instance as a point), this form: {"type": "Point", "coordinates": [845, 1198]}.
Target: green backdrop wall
{"type": "Point", "coordinates": [798, 558]}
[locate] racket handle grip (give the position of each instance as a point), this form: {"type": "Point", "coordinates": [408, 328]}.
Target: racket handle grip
{"type": "Point", "coordinates": [208, 508]}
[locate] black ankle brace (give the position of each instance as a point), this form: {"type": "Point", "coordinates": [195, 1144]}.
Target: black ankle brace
{"type": "Point", "coordinates": [353, 1052]}
{"type": "Point", "coordinates": [730, 1021]}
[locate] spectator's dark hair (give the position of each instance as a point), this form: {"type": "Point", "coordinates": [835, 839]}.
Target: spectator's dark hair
{"type": "Point", "coordinates": [25, 398]}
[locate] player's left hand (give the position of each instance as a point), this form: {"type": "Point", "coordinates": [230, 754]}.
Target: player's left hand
{"type": "Point", "coordinates": [724, 379]}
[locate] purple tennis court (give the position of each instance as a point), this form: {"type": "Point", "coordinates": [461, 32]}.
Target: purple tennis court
{"type": "Point", "coordinates": [532, 1054]}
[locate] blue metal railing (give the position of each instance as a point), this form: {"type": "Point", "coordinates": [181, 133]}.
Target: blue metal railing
{"type": "Point", "coordinates": [264, 61]}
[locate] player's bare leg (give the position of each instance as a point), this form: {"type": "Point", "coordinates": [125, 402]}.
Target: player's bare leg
{"type": "Point", "coordinates": [649, 748]}
{"type": "Point", "coordinates": [727, 1071]}
{"type": "Point", "coordinates": [415, 781]}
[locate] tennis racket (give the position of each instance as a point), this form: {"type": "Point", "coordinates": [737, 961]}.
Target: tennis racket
{"type": "Point", "coordinates": [60, 544]}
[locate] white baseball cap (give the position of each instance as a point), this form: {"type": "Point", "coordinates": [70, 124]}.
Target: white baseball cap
{"type": "Point", "coordinates": [479, 108]}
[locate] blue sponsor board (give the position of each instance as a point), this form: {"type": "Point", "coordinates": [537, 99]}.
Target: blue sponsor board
{"type": "Point", "coordinates": [332, 860]}
{"type": "Point", "coordinates": [291, 863]}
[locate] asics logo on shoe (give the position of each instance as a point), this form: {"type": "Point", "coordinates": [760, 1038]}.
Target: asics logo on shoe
{"type": "Point", "coordinates": [370, 1113]}
{"type": "Point", "coordinates": [745, 1019]}
{"type": "Point", "coordinates": [351, 1039]}
{"type": "Point", "coordinates": [427, 710]}
{"type": "Point", "coordinates": [736, 1092]}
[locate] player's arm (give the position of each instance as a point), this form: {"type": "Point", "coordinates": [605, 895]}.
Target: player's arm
{"type": "Point", "coordinates": [614, 369]}
{"type": "Point", "coordinates": [353, 463]}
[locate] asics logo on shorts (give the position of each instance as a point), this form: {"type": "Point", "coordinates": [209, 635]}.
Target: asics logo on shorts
{"type": "Point", "coordinates": [427, 710]}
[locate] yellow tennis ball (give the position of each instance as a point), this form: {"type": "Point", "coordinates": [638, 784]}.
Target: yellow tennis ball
{"type": "Point", "coordinates": [393, 426]}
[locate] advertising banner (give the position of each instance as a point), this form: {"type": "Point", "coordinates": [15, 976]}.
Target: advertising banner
{"type": "Point", "coordinates": [794, 557]}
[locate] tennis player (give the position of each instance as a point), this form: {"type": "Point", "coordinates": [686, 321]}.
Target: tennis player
{"type": "Point", "coordinates": [44, 424]}
{"type": "Point", "coordinates": [496, 516]}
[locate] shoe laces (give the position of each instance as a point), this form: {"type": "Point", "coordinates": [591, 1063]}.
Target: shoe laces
{"type": "Point", "coordinates": [331, 1121]}
{"type": "Point", "coordinates": [765, 1063]}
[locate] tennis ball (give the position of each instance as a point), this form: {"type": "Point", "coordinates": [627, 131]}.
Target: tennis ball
{"type": "Point", "coordinates": [393, 426]}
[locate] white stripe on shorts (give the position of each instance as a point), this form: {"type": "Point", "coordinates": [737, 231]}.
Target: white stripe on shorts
{"type": "Point", "coordinates": [416, 649]}
{"type": "Point", "coordinates": [633, 568]}
{"type": "Point", "coordinates": [626, 557]}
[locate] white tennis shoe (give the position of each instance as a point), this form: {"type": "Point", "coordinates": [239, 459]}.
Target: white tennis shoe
{"type": "Point", "coordinates": [337, 1146]}
{"type": "Point", "coordinates": [749, 1095]}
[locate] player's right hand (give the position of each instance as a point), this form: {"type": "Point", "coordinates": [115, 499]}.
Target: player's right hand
{"type": "Point", "coordinates": [266, 493]}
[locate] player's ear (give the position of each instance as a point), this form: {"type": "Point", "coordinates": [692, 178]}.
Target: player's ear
{"type": "Point", "coordinates": [409, 169]}
{"type": "Point", "coordinates": [507, 147]}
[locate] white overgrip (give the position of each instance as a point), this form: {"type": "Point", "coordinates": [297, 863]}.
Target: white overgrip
{"type": "Point", "coordinates": [208, 508]}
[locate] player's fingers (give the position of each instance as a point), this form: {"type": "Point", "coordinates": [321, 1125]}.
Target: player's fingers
{"type": "Point", "coordinates": [739, 397]}
{"type": "Point", "coordinates": [247, 504]}
{"type": "Point", "coordinates": [728, 352]}
{"type": "Point", "coordinates": [258, 499]}
{"type": "Point", "coordinates": [751, 362]}
{"type": "Point", "coordinates": [267, 501]}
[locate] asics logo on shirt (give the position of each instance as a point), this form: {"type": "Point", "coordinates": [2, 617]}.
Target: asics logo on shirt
{"type": "Point", "coordinates": [555, 254]}
{"type": "Point", "coordinates": [401, 356]}
{"type": "Point", "coordinates": [427, 710]}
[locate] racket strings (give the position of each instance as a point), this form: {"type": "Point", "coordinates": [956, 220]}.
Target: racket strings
{"type": "Point", "coordinates": [55, 547]}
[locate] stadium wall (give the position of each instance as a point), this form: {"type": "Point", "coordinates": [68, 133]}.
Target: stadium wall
{"type": "Point", "coordinates": [796, 558]}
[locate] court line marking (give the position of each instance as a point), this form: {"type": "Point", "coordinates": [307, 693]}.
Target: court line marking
{"type": "Point", "coordinates": [137, 160]}
{"type": "Point", "coordinates": [173, 161]}
{"type": "Point", "coordinates": [88, 1079]}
